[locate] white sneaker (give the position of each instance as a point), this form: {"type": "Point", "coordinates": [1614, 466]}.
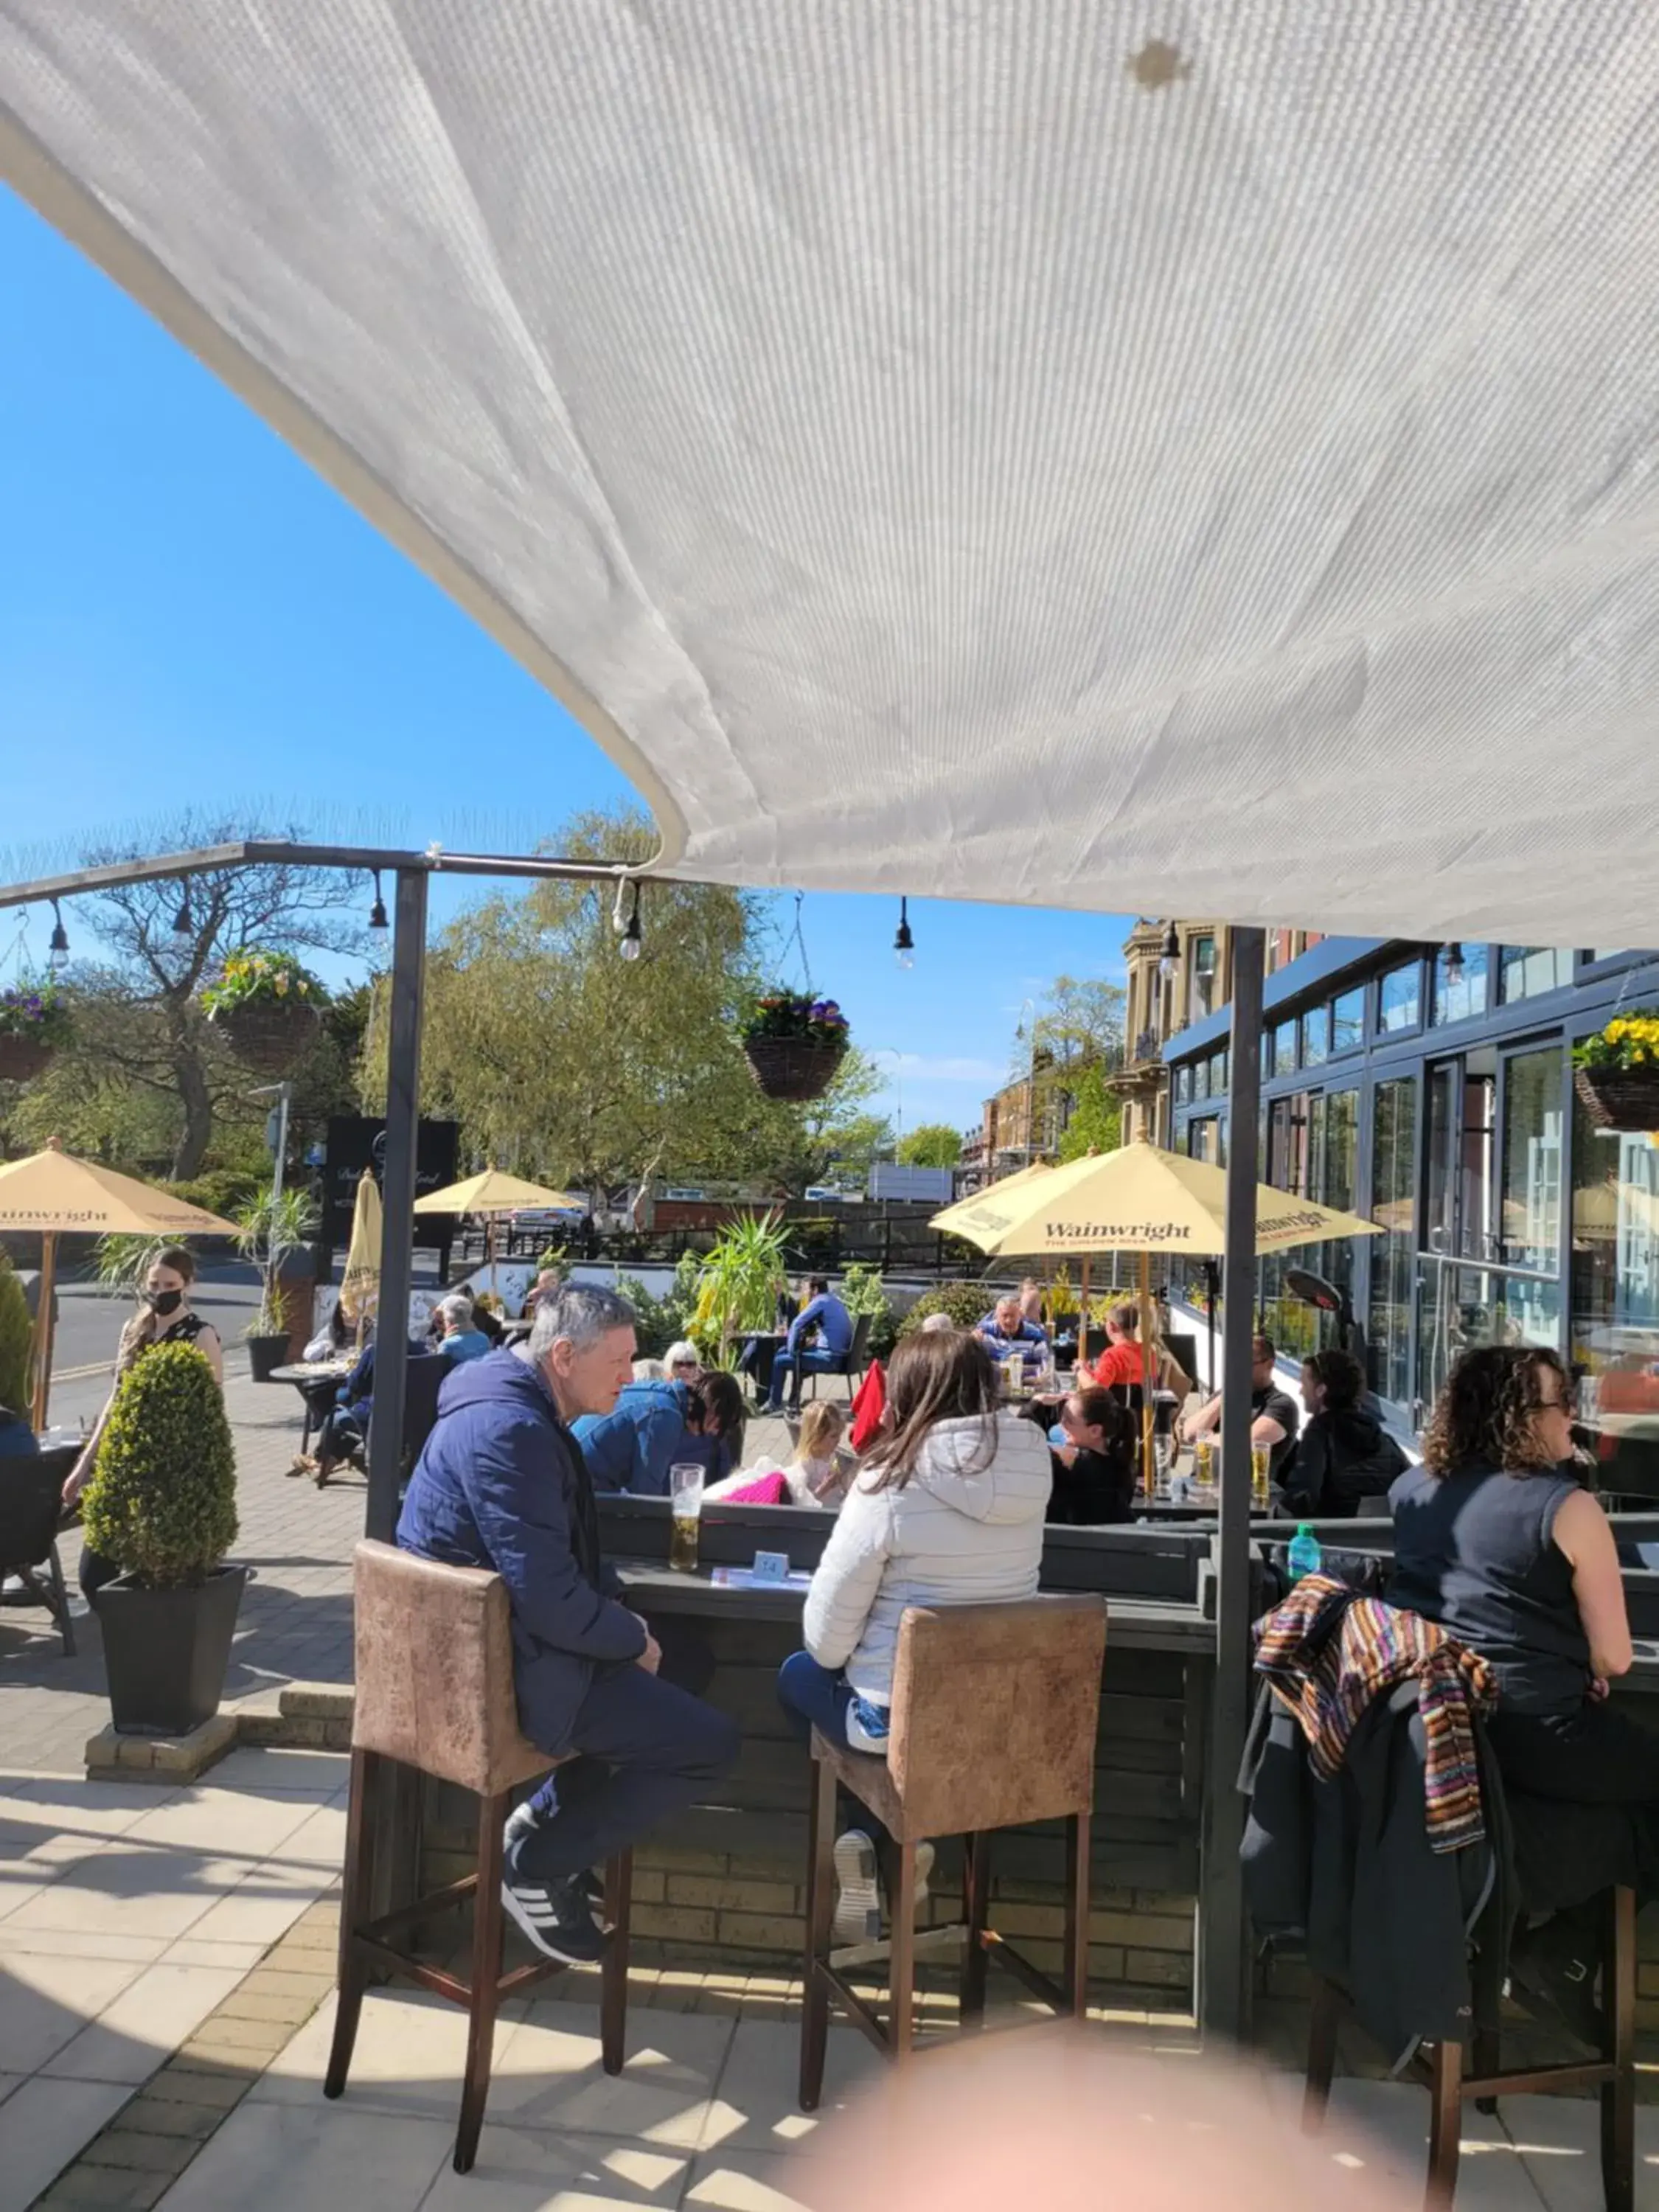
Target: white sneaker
{"type": "Point", "coordinates": [858, 1891]}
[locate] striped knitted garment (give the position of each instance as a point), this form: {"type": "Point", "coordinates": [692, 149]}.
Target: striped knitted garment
{"type": "Point", "coordinates": [1328, 1652]}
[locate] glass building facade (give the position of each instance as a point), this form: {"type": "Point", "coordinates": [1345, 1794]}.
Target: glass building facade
{"type": "Point", "coordinates": [1430, 1088]}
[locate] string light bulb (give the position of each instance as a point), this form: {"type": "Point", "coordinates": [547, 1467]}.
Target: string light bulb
{"type": "Point", "coordinates": [58, 951]}
{"type": "Point", "coordinates": [1170, 959]}
{"type": "Point", "coordinates": [182, 924]}
{"type": "Point", "coordinates": [377, 913]}
{"type": "Point", "coordinates": [1453, 965]}
{"type": "Point", "coordinates": [905, 945]}
{"type": "Point", "coordinates": [633, 943]}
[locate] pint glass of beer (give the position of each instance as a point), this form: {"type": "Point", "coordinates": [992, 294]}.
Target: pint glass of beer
{"type": "Point", "coordinates": [685, 1496]}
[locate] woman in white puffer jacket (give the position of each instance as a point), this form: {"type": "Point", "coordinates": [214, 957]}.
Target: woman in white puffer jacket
{"type": "Point", "coordinates": [947, 1508]}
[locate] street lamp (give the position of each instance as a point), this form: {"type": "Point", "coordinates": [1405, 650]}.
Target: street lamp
{"type": "Point", "coordinates": [897, 1058]}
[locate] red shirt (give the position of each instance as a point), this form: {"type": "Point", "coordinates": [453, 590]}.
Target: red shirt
{"type": "Point", "coordinates": [1121, 1362]}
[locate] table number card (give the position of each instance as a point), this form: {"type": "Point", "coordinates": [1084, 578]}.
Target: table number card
{"type": "Point", "coordinates": [771, 1566]}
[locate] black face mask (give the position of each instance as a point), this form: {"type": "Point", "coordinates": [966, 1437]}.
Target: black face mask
{"type": "Point", "coordinates": [164, 1302]}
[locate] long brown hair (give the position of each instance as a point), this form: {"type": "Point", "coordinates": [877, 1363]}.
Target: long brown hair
{"type": "Point", "coordinates": [139, 1329]}
{"type": "Point", "coordinates": [1483, 1414]}
{"type": "Point", "coordinates": [934, 1377]}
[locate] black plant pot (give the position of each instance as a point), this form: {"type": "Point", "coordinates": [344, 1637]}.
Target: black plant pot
{"type": "Point", "coordinates": [166, 1652]}
{"type": "Point", "coordinates": [265, 1353]}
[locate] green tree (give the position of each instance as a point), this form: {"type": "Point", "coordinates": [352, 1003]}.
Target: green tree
{"type": "Point", "coordinates": [144, 1080]}
{"type": "Point", "coordinates": [933, 1145]}
{"type": "Point", "coordinates": [16, 1333]}
{"type": "Point", "coordinates": [1078, 1026]}
{"type": "Point", "coordinates": [568, 1063]}
{"type": "Point", "coordinates": [1097, 1122]}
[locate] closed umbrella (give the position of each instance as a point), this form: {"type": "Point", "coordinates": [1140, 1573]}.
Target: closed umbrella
{"type": "Point", "coordinates": [1142, 1198]}
{"type": "Point", "coordinates": [490, 1194]}
{"type": "Point", "coordinates": [360, 1282]}
{"type": "Point", "coordinates": [52, 1195]}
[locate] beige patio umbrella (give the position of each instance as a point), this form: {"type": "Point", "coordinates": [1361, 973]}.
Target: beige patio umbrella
{"type": "Point", "coordinates": [52, 1195]}
{"type": "Point", "coordinates": [360, 1282]}
{"type": "Point", "coordinates": [1142, 1198]}
{"type": "Point", "coordinates": [490, 1193]}
{"type": "Point", "coordinates": [1020, 1180]}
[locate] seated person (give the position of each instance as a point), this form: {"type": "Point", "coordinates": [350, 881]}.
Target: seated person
{"type": "Point", "coordinates": [681, 1362]}
{"type": "Point", "coordinates": [1511, 1557]}
{"type": "Point", "coordinates": [1005, 1332]}
{"type": "Point", "coordinates": [546, 1285]}
{"type": "Point", "coordinates": [17, 1436]}
{"type": "Point", "coordinates": [658, 1425]}
{"type": "Point", "coordinates": [820, 1337]}
{"type": "Point", "coordinates": [1124, 1360]}
{"type": "Point", "coordinates": [501, 1484]}
{"type": "Point", "coordinates": [459, 1337]}
{"type": "Point", "coordinates": [1031, 1299]}
{"type": "Point", "coordinates": [947, 1509]}
{"type": "Point", "coordinates": [341, 1439]}
{"type": "Point", "coordinates": [818, 1473]}
{"type": "Point", "coordinates": [1345, 1453]}
{"type": "Point", "coordinates": [1274, 1418]}
{"type": "Point", "coordinates": [1094, 1469]}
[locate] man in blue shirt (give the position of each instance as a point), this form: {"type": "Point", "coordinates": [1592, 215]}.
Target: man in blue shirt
{"type": "Point", "coordinates": [823, 1317]}
{"type": "Point", "coordinates": [1005, 1332]}
{"type": "Point", "coordinates": [462, 1338]}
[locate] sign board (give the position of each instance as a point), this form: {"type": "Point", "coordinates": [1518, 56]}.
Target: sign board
{"type": "Point", "coordinates": [932, 1186]}
{"type": "Point", "coordinates": [356, 1141]}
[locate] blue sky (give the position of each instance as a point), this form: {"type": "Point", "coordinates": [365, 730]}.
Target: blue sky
{"type": "Point", "coordinates": [187, 614]}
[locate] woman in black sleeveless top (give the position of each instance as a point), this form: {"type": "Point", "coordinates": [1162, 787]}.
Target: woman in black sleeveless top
{"type": "Point", "coordinates": [165, 1315]}
{"type": "Point", "coordinates": [1518, 1562]}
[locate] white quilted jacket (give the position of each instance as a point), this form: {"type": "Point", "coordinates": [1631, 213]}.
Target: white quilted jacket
{"type": "Point", "coordinates": [965, 1529]}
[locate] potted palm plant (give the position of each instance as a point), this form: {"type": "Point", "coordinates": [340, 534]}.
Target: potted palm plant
{"type": "Point", "coordinates": [794, 1043]}
{"type": "Point", "coordinates": [1616, 1072]}
{"type": "Point", "coordinates": [739, 1284]}
{"type": "Point", "coordinates": [269, 1233]}
{"type": "Point", "coordinates": [33, 1023]}
{"type": "Point", "coordinates": [162, 1505]}
{"type": "Point", "coordinates": [266, 1006]}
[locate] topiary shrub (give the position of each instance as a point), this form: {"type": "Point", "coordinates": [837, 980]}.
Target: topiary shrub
{"type": "Point", "coordinates": [161, 1503]}
{"type": "Point", "coordinates": [16, 1334]}
{"type": "Point", "coordinates": [965, 1302]}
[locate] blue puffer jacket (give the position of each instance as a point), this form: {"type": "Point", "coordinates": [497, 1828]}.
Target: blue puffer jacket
{"type": "Point", "coordinates": [634, 1448]}
{"type": "Point", "coordinates": [501, 1484]}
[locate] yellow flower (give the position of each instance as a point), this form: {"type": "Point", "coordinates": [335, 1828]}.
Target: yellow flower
{"type": "Point", "coordinates": [282, 986]}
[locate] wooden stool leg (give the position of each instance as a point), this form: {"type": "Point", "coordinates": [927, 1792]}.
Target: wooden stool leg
{"type": "Point", "coordinates": [486, 1978]}
{"type": "Point", "coordinates": [352, 1976]}
{"type": "Point", "coordinates": [613, 1977]}
{"type": "Point", "coordinates": [1075, 1978]}
{"type": "Point", "coordinates": [1323, 2022]}
{"type": "Point", "coordinates": [975, 1913]}
{"type": "Point", "coordinates": [814, 1996]}
{"type": "Point", "coordinates": [1619, 2095]}
{"type": "Point", "coordinates": [1486, 2059]}
{"type": "Point", "coordinates": [901, 1965]}
{"type": "Point", "coordinates": [1445, 2125]}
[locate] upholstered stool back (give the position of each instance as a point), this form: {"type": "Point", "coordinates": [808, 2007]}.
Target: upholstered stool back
{"type": "Point", "coordinates": [995, 1709]}
{"type": "Point", "coordinates": [434, 1672]}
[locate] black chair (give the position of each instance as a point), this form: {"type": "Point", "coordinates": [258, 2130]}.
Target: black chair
{"type": "Point", "coordinates": [426, 1374]}
{"type": "Point", "coordinates": [31, 1506]}
{"type": "Point", "coordinates": [853, 1362]}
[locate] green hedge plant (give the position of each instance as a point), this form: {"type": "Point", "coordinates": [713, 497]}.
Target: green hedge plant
{"type": "Point", "coordinates": [16, 1334]}
{"type": "Point", "coordinates": [965, 1302]}
{"type": "Point", "coordinates": [161, 1503]}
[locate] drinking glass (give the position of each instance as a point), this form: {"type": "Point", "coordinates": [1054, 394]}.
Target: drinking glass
{"type": "Point", "coordinates": [685, 1495]}
{"type": "Point", "coordinates": [1203, 1463]}
{"type": "Point", "coordinates": [1261, 1455]}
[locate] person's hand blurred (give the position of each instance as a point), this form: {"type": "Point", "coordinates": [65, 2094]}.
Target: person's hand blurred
{"type": "Point", "coordinates": [1076, 2120]}
{"type": "Point", "coordinates": [73, 1484]}
{"type": "Point", "coordinates": [1600, 1686]}
{"type": "Point", "coordinates": [651, 1657]}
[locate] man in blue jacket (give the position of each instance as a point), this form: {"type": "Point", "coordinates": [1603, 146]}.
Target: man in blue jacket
{"type": "Point", "coordinates": [820, 1338]}
{"type": "Point", "coordinates": [502, 1484]}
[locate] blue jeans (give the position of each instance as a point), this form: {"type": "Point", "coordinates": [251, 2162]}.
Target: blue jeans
{"type": "Point", "coordinates": [814, 1697]}
{"type": "Point", "coordinates": [797, 1364]}
{"type": "Point", "coordinates": [648, 1747]}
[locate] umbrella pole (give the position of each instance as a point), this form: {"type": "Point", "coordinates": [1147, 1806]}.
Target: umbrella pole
{"type": "Point", "coordinates": [1082, 1312]}
{"type": "Point", "coordinates": [43, 1331]}
{"type": "Point", "coordinates": [1148, 1419]}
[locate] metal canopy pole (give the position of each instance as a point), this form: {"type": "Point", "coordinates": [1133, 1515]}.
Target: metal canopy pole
{"type": "Point", "coordinates": [403, 1107]}
{"type": "Point", "coordinates": [1224, 1967]}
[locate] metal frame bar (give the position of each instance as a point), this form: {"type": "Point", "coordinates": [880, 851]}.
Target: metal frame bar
{"type": "Point", "coordinates": [403, 1110]}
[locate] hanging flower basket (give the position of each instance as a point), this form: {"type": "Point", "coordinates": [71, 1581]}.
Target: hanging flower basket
{"type": "Point", "coordinates": [794, 1043]}
{"type": "Point", "coordinates": [33, 1022]}
{"type": "Point", "coordinates": [266, 1006]}
{"type": "Point", "coordinates": [1617, 1073]}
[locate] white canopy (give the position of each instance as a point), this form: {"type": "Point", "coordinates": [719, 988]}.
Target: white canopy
{"type": "Point", "coordinates": [1194, 456]}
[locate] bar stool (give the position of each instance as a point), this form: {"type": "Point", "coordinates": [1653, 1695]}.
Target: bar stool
{"type": "Point", "coordinates": [434, 1691]}
{"type": "Point", "coordinates": [994, 1717]}
{"type": "Point", "coordinates": [1440, 2068]}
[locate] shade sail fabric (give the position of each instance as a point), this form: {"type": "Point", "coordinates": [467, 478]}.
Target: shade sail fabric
{"type": "Point", "coordinates": [492, 1192]}
{"type": "Point", "coordinates": [1141, 1198]}
{"type": "Point", "coordinates": [54, 1193]}
{"type": "Point", "coordinates": [1069, 454]}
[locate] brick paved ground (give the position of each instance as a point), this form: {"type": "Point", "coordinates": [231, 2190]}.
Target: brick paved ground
{"type": "Point", "coordinates": [296, 1620]}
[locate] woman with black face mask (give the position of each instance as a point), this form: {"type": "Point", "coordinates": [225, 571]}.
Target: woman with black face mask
{"type": "Point", "coordinates": [165, 1315]}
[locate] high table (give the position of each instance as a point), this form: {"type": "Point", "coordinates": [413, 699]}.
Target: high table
{"type": "Point", "coordinates": [311, 1379]}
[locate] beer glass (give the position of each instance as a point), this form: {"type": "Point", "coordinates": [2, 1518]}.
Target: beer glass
{"type": "Point", "coordinates": [685, 1496]}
